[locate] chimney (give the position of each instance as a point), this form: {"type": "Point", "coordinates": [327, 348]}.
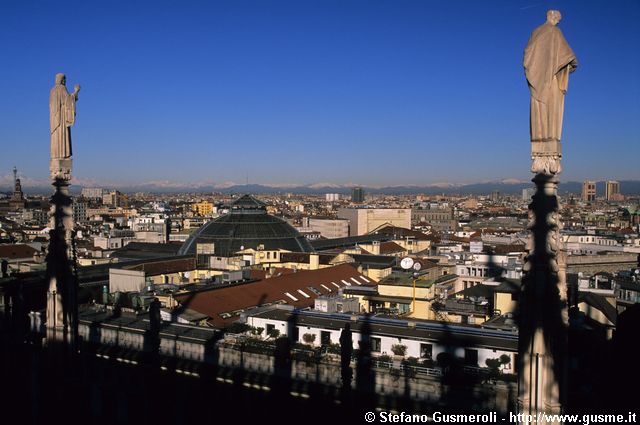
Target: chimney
{"type": "Point", "coordinates": [375, 250]}
{"type": "Point", "coordinates": [314, 261]}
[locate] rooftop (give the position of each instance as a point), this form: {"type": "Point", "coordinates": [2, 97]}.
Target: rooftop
{"type": "Point", "coordinates": [16, 251]}
{"type": "Point", "coordinates": [224, 304]}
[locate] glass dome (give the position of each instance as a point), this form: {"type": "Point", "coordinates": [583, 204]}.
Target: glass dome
{"type": "Point", "coordinates": [247, 226]}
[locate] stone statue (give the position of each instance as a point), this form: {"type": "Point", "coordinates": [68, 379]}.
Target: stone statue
{"type": "Point", "coordinates": [62, 113]}
{"type": "Point", "coordinates": [548, 60]}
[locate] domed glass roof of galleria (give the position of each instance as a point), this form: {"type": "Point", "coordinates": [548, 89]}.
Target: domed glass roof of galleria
{"type": "Point", "coordinates": [246, 226]}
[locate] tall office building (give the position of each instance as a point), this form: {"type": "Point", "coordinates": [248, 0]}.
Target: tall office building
{"type": "Point", "coordinates": [357, 194]}
{"type": "Point", "coordinates": [528, 193]}
{"type": "Point", "coordinates": [588, 191]}
{"type": "Point", "coordinates": [611, 189]}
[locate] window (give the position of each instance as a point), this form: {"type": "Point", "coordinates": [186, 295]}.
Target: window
{"type": "Point", "coordinates": [376, 345]}
{"type": "Point", "coordinates": [325, 337]}
{"type": "Point", "coordinates": [303, 293]}
{"type": "Point", "coordinates": [291, 296]}
{"type": "Point", "coordinates": [426, 351]}
{"type": "Point", "coordinates": [270, 328]}
{"type": "Point", "coordinates": [314, 290]}
{"type": "Point", "coordinates": [355, 281]}
{"type": "Point", "coordinates": [470, 357]}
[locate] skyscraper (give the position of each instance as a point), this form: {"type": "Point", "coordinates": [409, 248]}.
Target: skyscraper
{"type": "Point", "coordinates": [357, 194]}
{"type": "Point", "coordinates": [588, 191]}
{"type": "Point", "coordinates": [611, 189]}
{"type": "Point", "coordinates": [528, 193]}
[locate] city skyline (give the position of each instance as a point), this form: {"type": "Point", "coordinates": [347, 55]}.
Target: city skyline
{"type": "Point", "coordinates": [378, 94]}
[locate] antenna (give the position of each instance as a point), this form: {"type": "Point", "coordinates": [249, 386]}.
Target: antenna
{"type": "Point", "coordinates": [15, 174]}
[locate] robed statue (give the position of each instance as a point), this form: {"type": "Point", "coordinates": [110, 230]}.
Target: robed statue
{"type": "Point", "coordinates": [62, 114]}
{"type": "Point", "coordinates": [62, 294]}
{"type": "Point", "coordinates": [548, 61]}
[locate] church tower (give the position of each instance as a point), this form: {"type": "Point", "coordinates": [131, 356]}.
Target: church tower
{"type": "Point", "coordinates": [17, 201]}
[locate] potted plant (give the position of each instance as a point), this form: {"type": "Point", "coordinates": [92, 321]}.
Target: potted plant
{"type": "Point", "coordinates": [309, 338]}
{"type": "Point", "coordinates": [398, 350]}
{"type": "Point", "coordinates": [273, 333]}
{"type": "Point", "coordinates": [383, 358]}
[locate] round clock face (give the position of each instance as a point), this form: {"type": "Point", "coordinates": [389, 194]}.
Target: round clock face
{"type": "Point", "coordinates": [417, 266]}
{"type": "Point", "coordinates": [406, 263]}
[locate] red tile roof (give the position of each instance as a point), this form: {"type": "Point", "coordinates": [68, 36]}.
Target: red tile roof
{"type": "Point", "coordinates": [228, 299]}
{"type": "Point", "coordinates": [426, 264]}
{"type": "Point", "coordinates": [506, 249]}
{"type": "Point", "coordinates": [279, 271]}
{"type": "Point", "coordinates": [390, 248]}
{"type": "Point", "coordinates": [399, 232]}
{"type": "Point", "coordinates": [453, 238]}
{"type": "Point", "coordinates": [257, 274]}
{"type": "Point", "coordinates": [16, 251]}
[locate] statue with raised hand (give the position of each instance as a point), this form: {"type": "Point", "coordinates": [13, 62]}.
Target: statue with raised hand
{"type": "Point", "coordinates": [62, 115]}
{"type": "Point", "coordinates": [548, 60]}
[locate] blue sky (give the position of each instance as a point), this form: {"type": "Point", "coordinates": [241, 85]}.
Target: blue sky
{"type": "Point", "coordinates": [371, 92]}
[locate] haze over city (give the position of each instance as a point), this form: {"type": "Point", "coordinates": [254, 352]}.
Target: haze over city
{"type": "Point", "coordinates": [292, 93]}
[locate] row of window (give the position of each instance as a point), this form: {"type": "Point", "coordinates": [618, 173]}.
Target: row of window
{"type": "Point", "coordinates": [326, 287]}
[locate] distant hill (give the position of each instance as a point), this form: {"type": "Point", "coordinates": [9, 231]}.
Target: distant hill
{"type": "Point", "coordinates": [628, 187]}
